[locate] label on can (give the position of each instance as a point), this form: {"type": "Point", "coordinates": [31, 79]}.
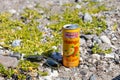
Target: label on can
{"type": "Point", "coordinates": [71, 47]}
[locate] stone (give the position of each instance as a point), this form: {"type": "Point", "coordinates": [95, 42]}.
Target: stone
{"type": "Point", "coordinates": [57, 56]}
{"type": "Point", "coordinates": [8, 61]}
{"type": "Point", "coordinates": [82, 41]}
{"type": "Point", "coordinates": [87, 17]}
{"type": "Point", "coordinates": [34, 58]}
{"type": "Point", "coordinates": [111, 55]}
{"type": "Point", "coordinates": [83, 72]}
{"type": "Point", "coordinates": [78, 6]}
{"type": "Point", "coordinates": [16, 55]}
{"type": "Point", "coordinates": [96, 39]}
{"type": "Point", "coordinates": [105, 39]}
{"type": "Point", "coordinates": [96, 56]}
{"type": "Point", "coordinates": [93, 77]}
{"type": "Point", "coordinates": [12, 11]}
{"type": "Point", "coordinates": [16, 43]}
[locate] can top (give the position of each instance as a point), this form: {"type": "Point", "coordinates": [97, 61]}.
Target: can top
{"type": "Point", "coordinates": [70, 26]}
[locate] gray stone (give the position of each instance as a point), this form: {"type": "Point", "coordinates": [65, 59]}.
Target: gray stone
{"type": "Point", "coordinates": [83, 72]}
{"type": "Point", "coordinates": [93, 77]}
{"type": "Point", "coordinates": [16, 55]}
{"type": "Point", "coordinates": [105, 39]}
{"type": "Point", "coordinates": [96, 40]}
{"type": "Point", "coordinates": [16, 43]}
{"type": "Point", "coordinates": [82, 41]}
{"type": "Point", "coordinates": [87, 17]}
{"type": "Point", "coordinates": [8, 61]}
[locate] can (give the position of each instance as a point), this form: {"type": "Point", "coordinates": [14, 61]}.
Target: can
{"type": "Point", "coordinates": [71, 43]}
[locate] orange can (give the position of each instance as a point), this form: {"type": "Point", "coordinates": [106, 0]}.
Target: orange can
{"type": "Point", "coordinates": [71, 43]}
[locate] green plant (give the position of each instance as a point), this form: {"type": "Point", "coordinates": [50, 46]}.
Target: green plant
{"type": "Point", "coordinates": [6, 72]}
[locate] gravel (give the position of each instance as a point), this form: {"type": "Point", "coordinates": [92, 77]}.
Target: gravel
{"type": "Point", "coordinates": [92, 66]}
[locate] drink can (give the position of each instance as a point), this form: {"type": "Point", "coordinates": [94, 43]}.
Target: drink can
{"type": "Point", "coordinates": [71, 43]}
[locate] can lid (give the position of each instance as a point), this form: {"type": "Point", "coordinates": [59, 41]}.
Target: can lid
{"type": "Point", "coordinates": [70, 26]}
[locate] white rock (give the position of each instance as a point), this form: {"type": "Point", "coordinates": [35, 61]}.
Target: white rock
{"type": "Point", "coordinates": [105, 39]}
{"type": "Point", "coordinates": [82, 41]}
{"type": "Point", "coordinates": [54, 73]}
{"type": "Point", "coordinates": [12, 11]}
{"type": "Point", "coordinates": [96, 56]}
{"type": "Point", "coordinates": [78, 6]}
{"type": "Point", "coordinates": [16, 43]}
{"type": "Point", "coordinates": [114, 39]}
{"type": "Point", "coordinates": [111, 55]}
{"type": "Point", "coordinates": [87, 17]}
{"type": "Point", "coordinates": [54, 47]}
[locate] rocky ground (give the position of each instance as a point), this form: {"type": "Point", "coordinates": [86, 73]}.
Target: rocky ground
{"type": "Point", "coordinates": [92, 66]}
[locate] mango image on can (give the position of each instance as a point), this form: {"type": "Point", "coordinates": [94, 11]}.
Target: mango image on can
{"type": "Point", "coordinates": [71, 43]}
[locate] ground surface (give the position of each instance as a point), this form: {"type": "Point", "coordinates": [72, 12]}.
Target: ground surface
{"type": "Point", "coordinates": [92, 66]}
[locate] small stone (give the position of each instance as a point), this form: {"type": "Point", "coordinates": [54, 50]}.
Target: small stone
{"type": "Point", "coordinates": [8, 61]}
{"type": "Point", "coordinates": [83, 72]}
{"type": "Point", "coordinates": [96, 40]}
{"type": "Point", "coordinates": [93, 77]}
{"type": "Point", "coordinates": [12, 11]}
{"type": "Point", "coordinates": [117, 51]}
{"type": "Point", "coordinates": [54, 73]}
{"type": "Point", "coordinates": [34, 58]}
{"type": "Point", "coordinates": [17, 55]}
{"type": "Point", "coordinates": [57, 56]}
{"type": "Point", "coordinates": [54, 47]}
{"type": "Point", "coordinates": [111, 55]}
{"type": "Point", "coordinates": [82, 41]}
{"type": "Point", "coordinates": [105, 39]}
{"type": "Point", "coordinates": [87, 17]}
{"type": "Point", "coordinates": [96, 56]}
{"type": "Point", "coordinates": [1, 52]}
{"type": "Point", "coordinates": [114, 39]}
{"type": "Point", "coordinates": [16, 43]}
{"type": "Point", "coordinates": [78, 6]}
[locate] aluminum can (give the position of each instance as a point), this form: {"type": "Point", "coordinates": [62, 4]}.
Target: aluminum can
{"type": "Point", "coordinates": [71, 43]}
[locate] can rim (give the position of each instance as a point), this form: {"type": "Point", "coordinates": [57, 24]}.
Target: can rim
{"type": "Point", "coordinates": [67, 25]}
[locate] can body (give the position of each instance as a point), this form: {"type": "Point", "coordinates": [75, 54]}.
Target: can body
{"type": "Point", "coordinates": [71, 43]}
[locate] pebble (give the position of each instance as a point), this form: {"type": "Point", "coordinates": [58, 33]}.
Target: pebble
{"type": "Point", "coordinates": [111, 55]}
{"type": "Point", "coordinates": [12, 11]}
{"type": "Point", "coordinates": [105, 39]}
{"type": "Point", "coordinates": [93, 77]}
{"type": "Point", "coordinates": [78, 6]}
{"type": "Point", "coordinates": [82, 41]}
{"type": "Point", "coordinates": [87, 17]}
{"type": "Point", "coordinates": [16, 55]}
{"type": "Point", "coordinates": [96, 39]}
{"type": "Point", "coordinates": [16, 43]}
{"type": "Point", "coordinates": [96, 56]}
{"type": "Point", "coordinates": [8, 61]}
{"type": "Point", "coordinates": [83, 72]}
{"type": "Point", "coordinates": [57, 56]}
